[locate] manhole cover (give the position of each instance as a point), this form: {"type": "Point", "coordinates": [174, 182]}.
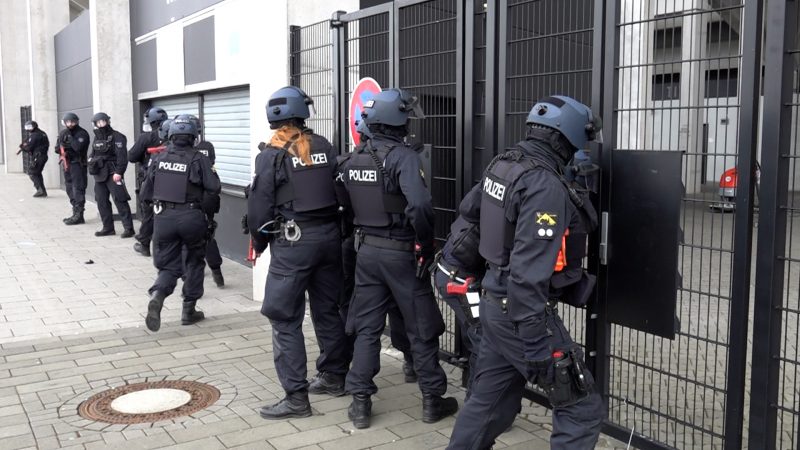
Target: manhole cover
{"type": "Point", "coordinates": [149, 402]}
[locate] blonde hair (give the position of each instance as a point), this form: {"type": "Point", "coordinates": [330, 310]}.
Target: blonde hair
{"type": "Point", "coordinates": [299, 142]}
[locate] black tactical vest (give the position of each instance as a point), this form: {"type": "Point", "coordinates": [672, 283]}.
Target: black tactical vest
{"type": "Point", "coordinates": [171, 183]}
{"type": "Point", "coordinates": [365, 178]}
{"type": "Point", "coordinates": [104, 148]}
{"type": "Point", "coordinates": [308, 187]}
{"type": "Point", "coordinates": [341, 191]}
{"type": "Point", "coordinates": [497, 233]}
{"type": "Point", "coordinates": [207, 149]}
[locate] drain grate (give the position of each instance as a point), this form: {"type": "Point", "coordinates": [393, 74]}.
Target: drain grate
{"type": "Point", "coordinates": [99, 406]}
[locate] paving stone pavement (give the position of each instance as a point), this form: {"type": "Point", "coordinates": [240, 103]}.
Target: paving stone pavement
{"type": "Point", "coordinates": [69, 330]}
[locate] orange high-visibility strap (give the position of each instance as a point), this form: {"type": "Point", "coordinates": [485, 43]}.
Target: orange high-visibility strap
{"type": "Point", "coordinates": [561, 259]}
{"type": "Point", "coordinates": [159, 149]}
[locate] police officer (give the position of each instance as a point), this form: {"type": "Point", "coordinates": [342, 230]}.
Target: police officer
{"type": "Point", "coordinates": [292, 207]}
{"type": "Point", "coordinates": [34, 155]}
{"type": "Point", "coordinates": [528, 212]}
{"type": "Point", "coordinates": [212, 205]}
{"type": "Point", "coordinates": [457, 272]}
{"type": "Point", "coordinates": [397, 329]}
{"type": "Point", "coordinates": [72, 146]}
{"type": "Point", "coordinates": [139, 154]}
{"type": "Point", "coordinates": [394, 216]}
{"type": "Point", "coordinates": [175, 184]}
{"type": "Point", "coordinates": [107, 163]}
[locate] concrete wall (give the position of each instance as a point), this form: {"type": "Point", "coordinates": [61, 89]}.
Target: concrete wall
{"type": "Point", "coordinates": [16, 87]}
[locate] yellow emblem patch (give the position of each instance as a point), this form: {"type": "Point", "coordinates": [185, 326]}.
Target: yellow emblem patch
{"type": "Point", "coordinates": [545, 218]}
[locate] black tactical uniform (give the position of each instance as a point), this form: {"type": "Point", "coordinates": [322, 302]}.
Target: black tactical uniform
{"type": "Point", "coordinates": [175, 183]}
{"type": "Point", "coordinates": [213, 256]}
{"type": "Point", "coordinates": [34, 156]}
{"type": "Point", "coordinates": [393, 211]}
{"type": "Point", "coordinates": [527, 216]}
{"type": "Point", "coordinates": [140, 155]}
{"type": "Point", "coordinates": [292, 207]}
{"type": "Point", "coordinates": [460, 266]}
{"type": "Point", "coordinates": [74, 141]}
{"type": "Point", "coordinates": [107, 158]}
{"type": "Point", "coordinates": [397, 329]}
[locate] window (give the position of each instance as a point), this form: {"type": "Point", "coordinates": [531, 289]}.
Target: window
{"type": "Point", "coordinates": [666, 86]}
{"type": "Point", "coordinates": [722, 83]}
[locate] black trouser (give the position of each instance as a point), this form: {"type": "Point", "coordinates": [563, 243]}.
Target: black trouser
{"type": "Point", "coordinates": [312, 264]}
{"type": "Point", "coordinates": [175, 229]}
{"type": "Point", "coordinates": [35, 168]}
{"type": "Point", "coordinates": [470, 329]}
{"type": "Point", "coordinates": [145, 214]}
{"type": "Point", "coordinates": [397, 329]}
{"type": "Point", "coordinates": [213, 257]}
{"type": "Point", "coordinates": [76, 180]}
{"type": "Point", "coordinates": [497, 390]}
{"type": "Point", "coordinates": [385, 278]}
{"type": "Point", "coordinates": [102, 191]}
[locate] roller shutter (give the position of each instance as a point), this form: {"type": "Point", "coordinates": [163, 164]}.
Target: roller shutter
{"type": "Point", "coordinates": [186, 104]}
{"type": "Point", "coordinates": [226, 117]}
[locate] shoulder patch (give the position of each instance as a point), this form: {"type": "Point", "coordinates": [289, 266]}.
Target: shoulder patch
{"type": "Point", "coordinates": [119, 144]}
{"type": "Point", "coordinates": [546, 221]}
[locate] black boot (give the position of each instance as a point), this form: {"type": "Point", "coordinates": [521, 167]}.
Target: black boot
{"type": "Point", "coordinates": [408, 369]}
{"type": "Point", "coordinates": [128, 233]}
{"type": "Point", "coordinates": [216, 274]}
{"type": "Point", "coordinates": [40, 192]}
{"type": "Point", "coordinates": [295, 404]}
{"type": "Point", "coordinates": [153, 319]}
{"type": "Point", "coordinates": [360, 411]}
{"type": "Point", "coordinates": [436, 408]}
{"type": "Point", "coordinates": [189, 314]}
{"type": "Point", "coordinates": [68, 218]}
{"type": "Point", "coordinates": [142, 249]}
{"type": "Point", "coordinates": [105, 232]}
{"type": "Point", "coordinates": [327, 383]}
{"type": "Point", "coordinates": [76, 218]}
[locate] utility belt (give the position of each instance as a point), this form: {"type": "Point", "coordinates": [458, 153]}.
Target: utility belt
{"type": "Point", "coordinates": [382, 242]}
{"type": "Point", "coordinates": [502, 302]}
{"type": "Point", "coordinates": [159, 206]}
{"type": "Point", "coordinates": [291, 229]}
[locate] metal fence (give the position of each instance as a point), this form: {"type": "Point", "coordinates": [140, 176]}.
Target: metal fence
{"type": "Point", "coordinates": [668, 76]}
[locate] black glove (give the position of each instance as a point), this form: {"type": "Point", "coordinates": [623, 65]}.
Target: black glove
{"type": "Point", "coordinates": [424, 255]}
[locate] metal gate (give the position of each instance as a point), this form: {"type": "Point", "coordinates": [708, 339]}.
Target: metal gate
{"type": "Point", "coordinates": [679, 86]}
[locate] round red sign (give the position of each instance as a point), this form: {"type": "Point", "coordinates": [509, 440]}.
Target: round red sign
{"type": "Point", "coordinates": [365, 89]}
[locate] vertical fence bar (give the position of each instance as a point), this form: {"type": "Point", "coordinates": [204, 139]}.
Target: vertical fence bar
{"type": "Point", "coordinates": [743, 222]}
{"type": "Point", "coordinates": [339, 88]}
{"type": "Point", "coordinates": [780, 33]}
{"type": "Point", "coordinates": [492, 79]}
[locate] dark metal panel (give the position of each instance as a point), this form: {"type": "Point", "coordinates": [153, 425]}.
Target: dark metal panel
{"type": "Point", "coordinates": [199, 56]}
{"type": "Point", "coordinates": [232, 242]}
{"type": "Point", "coordinates": [644, 229]}
{"type": "Point", "coordinates": [74, 87]}
{"type": "Point", "coordinates": [775, 358]}
{"type": "Point", "coordinates": [72, 44]}
{"type": "Point", "coordinates": [144, 58]}
{"type": "Point", "coordinates": [149, 15]}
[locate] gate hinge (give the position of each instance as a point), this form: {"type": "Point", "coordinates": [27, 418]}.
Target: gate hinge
{"type": "Point", "coordinates": [604, 238]}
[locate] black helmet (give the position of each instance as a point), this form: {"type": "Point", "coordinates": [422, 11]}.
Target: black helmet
{"type": "Point", "coordinates": [163, 130]}
{"type": "Point", "coordinates": [31, 125]}
{"type": "Point", "coordinates": [571, 118]}
{"type": "Point", "coordinates": [192, 118]}
{"type": "Point", "coordinates": [392, 107]}
{"type": "Point", "coordinates": [288, 102]}
{"type": "Point", "coordinates": [101, 116]}
{"type": "Point", "coordinates": [155, 114]}
{"type": "Point", "coordinates": [70, 116]}
{"type": "Point", "coordinates": [182, 126]}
